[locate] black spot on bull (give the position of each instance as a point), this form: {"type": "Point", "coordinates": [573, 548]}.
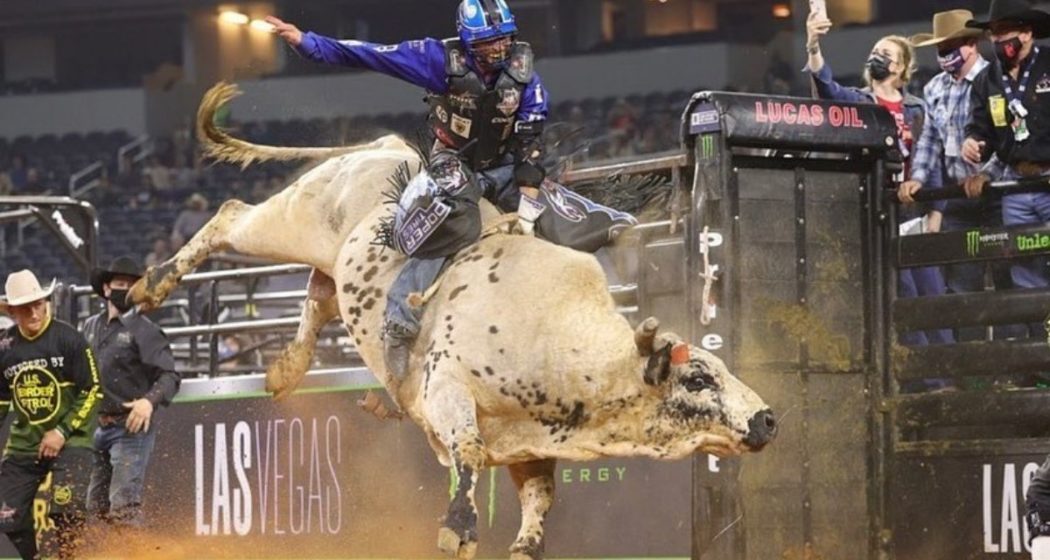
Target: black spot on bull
{"type": "Point", "coordinates": [493, 278]}
{"type": "Point", "coordinates": [461, 516]}
{"type": "Point", "coordinates": [369, 304]}
{"type": "Point", "coordinates": [156, 275]}
{"type": "Point", "coordinates": [493, 329]}
{"type": "Point", "coordinates": [335, 219]}
{"type": "Point", "coordinates": [565, 419]}
{"type": "Point", "coordinates": [456, 291]}
{"type": "Point", "coordinates": [498, 254]}
{"type": "Point", "coordinates": [371, 272]}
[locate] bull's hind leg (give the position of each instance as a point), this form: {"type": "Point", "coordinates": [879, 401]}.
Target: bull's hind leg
{"type": "Point", "coordinates": [159, 281]}
{"type": "Point", "coordinates": [450, 410]}
{"type": "Point", "coordinates": [535, 483]}
{"type": "Point", "coordinates": [287, 371]}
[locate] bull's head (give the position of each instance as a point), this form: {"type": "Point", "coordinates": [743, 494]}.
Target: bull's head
{"type": "Point", "coordinates": [701, 400]}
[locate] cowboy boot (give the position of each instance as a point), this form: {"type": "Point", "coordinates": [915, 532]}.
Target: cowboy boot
{"type": "Point", "coordinates": [397, 348]}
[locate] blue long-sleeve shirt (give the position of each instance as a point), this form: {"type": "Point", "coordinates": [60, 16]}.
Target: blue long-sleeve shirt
{"type": "Point", "coordinates": [418, 62]}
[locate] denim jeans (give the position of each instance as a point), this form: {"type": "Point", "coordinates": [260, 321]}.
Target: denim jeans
{"type": "Point", "coordinates": [119, 473]}
{"type": "Point", "coordinates": [923, 281]}
{"type": "Point", "coordinates": [969, 278]}
{"type": "Point", "coordinates": [1028, 208]}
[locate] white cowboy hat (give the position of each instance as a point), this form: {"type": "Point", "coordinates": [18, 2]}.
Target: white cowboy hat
{"type": "Point", "coordinates": [22, 287]}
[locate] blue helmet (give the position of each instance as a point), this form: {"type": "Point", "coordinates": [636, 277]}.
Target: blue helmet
{"type": "Point", "coordinates": [484, 20]}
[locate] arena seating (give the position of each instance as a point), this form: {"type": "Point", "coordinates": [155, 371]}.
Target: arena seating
{"type": "Point", "coordinates": [130, 216]}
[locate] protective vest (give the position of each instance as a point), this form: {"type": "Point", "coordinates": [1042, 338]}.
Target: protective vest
{"type": "Point", "coordinates": [475, 119]}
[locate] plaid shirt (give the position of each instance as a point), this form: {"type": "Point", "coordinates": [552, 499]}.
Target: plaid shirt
{"type": "Point", "coordinates": [948, 106]}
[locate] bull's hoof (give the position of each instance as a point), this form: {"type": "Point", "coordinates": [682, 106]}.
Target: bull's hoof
{"type": "Point", "coordinates": [528, 549]}
{"type": "Point", "coordinates": [287, 371]}
{"type": "Point", "coordinates": [450, 543]}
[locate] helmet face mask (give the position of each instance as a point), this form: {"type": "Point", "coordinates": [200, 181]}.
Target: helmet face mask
{"type": "Point", "coordinates": [491, 54]}
{"type": "Point", "coordinates": [486, 28]}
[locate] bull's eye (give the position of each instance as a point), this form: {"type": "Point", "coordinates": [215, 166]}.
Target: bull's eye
{"type": "Point", "coordinates": [698, 382]}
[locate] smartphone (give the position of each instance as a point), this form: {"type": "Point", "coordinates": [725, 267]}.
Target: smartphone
{"type": "Point", "coordinates": [818, 7]}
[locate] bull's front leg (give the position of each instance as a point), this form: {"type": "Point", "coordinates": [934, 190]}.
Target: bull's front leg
{"type": "Point", "coordinates": [535, 483]}
{"type": "Point", "coordinates": [321, 307]}
{"type": "Point", "coordinates": [450, 409]}
{"type": "Point", "coordinates": [159, 281]}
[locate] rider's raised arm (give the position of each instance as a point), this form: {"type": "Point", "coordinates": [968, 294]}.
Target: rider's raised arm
{"type": "Point", "coordinates": [420, 62]}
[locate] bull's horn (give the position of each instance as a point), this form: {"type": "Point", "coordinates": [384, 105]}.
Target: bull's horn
{"type": "Point", "coordinates": [645, 334]}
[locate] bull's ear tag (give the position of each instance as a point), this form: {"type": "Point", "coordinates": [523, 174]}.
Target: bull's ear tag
{"type": "Point", "coordinates": [679, 354]}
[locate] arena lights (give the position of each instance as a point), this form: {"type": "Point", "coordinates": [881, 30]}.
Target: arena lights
{"type": "Point", "coordinates": [235, 18]}
{"type": "Point", "coordinates": [781, 11]}
{"type": "Point", "coordinates": [261, 25]}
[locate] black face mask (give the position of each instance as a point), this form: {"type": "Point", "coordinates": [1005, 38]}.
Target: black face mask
{"type": "Point", "coordinates": [878, 67]}
{"type": "Point", "coordinates": [1009, 52]}
{"type": "Point", "coordinates": [119, 299]}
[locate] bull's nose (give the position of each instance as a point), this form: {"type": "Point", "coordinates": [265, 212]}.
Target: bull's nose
{"type": "Point", "coordinates": [761, 429]}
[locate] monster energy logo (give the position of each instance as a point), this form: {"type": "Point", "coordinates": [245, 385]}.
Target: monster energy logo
{"type": "Point", "coordinates": [975, 241]}
{"type": "Point", "coordinates": [707, 146]}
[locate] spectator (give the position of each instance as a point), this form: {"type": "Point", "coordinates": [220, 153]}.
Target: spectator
{"type": "Point", "coordinates": [6, 186]}
{"type": "Point", "coordinates": [159, 175]}
{"type": "Point", "coordinates": [184, 177]}
{"type": "Point", "coordinates": [1010, 126]}
{"type": "Point", "coordinates": [889, 68]}
{"type": "Point", "coordinates": [126, 179]}
{"type": "Point", "coordinates": [622, 118]}
{"type": "Point", "coordinates": [34, 182]}
{"type": "Point", "coordinates": [160, 252]}
{"type": "Point", "coordinates": [19, 173]}
{"type": "Point", "coordinates": [229, 349]}
{"type": "Point", "coordinates": [190, 220]}
{"type": "Point", "coordinates": [937, 153]}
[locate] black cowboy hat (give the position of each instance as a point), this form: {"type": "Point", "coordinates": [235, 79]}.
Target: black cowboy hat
{"type": "Point", "coordinates": [121, 266]}
{"type": "Point", "coordinates": [1016, 11]}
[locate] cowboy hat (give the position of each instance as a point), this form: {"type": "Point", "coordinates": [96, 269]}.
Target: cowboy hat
{"type": "Point", "coordinates": [1016, 11]}
{"type": "Point", "coordinates": [121, 266]}
{"type": "Point", "coordinates": [22, 287]}
{"type": "Point", "coordinates": [947, 26]}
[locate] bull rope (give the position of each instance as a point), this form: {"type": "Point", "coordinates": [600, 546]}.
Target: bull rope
{"type": "Point", "coordinates": [417, 300]}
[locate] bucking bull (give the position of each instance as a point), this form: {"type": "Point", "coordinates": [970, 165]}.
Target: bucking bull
{"type": "Point", "coordinates": [550, 372]}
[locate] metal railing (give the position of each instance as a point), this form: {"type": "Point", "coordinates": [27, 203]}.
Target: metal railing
{"type": "Point", "coordinates": [86, 179]}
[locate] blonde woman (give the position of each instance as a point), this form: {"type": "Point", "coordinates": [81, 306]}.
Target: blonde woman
{"type": "Point", "coordinates": [887, 71]}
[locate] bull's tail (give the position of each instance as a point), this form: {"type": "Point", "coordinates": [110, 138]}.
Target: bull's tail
{"type": "Point", "coordinates": [220, 146]}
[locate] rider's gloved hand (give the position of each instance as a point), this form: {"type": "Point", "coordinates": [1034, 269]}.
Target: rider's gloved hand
{"type": "Point", "coordinates": [529, 210]}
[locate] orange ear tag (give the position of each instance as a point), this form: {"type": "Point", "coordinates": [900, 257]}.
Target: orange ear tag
{"type": "Point", "coordinates": [679, 354]}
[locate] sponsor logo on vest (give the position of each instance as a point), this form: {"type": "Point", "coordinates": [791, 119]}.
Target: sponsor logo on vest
{"type": "Point", "coordinates": [464, 102]}
{"type": "Point", "coordinates": [461, 126]}
{"type": "Point", "coordinates": [510, 100]}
